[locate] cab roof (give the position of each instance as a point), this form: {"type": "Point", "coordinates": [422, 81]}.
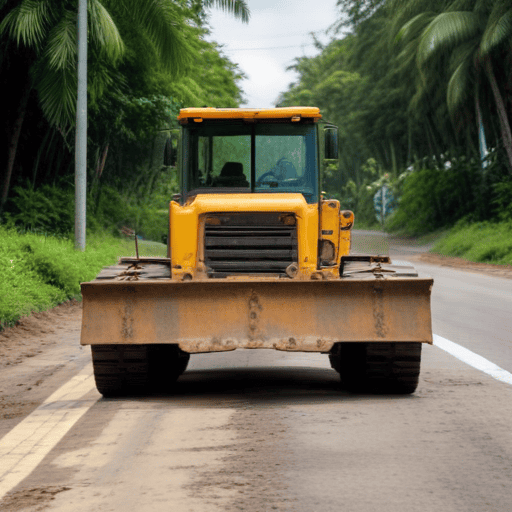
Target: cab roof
{"type": "Point", "coordinates": [292, 113]}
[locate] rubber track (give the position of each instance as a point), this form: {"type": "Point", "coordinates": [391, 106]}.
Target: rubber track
{"type": "Point", "coordinates": [135, 369]}
{"type": "Point", "coordinates": [120, 369]}
{"type": "Point", "coordinates": [378, 367]}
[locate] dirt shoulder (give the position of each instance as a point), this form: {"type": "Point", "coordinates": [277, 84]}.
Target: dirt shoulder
{"type": "Point", "coordinates": [460, 264]}
{"type": "Point", "coordinates": [37, 356]}
{"type": "Point", "coordinates": [33, 333]}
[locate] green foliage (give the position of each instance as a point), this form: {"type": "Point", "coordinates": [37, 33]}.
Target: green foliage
{"type": "Point", "coordinates": [138, 119]}
{"type": "Point", "coordinates": [147, 58]}
{"type": "Point", "coordinates": [22, 290]}
{"type": "Point", "coordinates": [415, 80]}
{"type": "Point", "coordinates": [46, 209]}
{"type": "Point", "coordinates": [145, 208]}
{"type": "Point", "coordinates": [483, 241]}
{"type": "Point", "coordinates": [50, 209]}
{"type": "Point", "coordinates": [40, 271]}
{"type": "Point", "coordinates": [437, 196]}
{"type": "Point", "coordinates": [357, 10]}
{"type": "Point", "coordinates": [50, 30]}
{"type": "Point", "coordinates": [503, 200]}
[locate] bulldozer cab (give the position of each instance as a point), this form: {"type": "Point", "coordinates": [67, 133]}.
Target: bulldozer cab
{"type": "Point", "coordinates": [253, 153]}
{"type": "Point", "coordinates": [258, 259]}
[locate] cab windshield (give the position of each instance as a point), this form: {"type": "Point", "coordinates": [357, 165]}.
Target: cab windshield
{"type": "Point", "coordinates": [260, 157]}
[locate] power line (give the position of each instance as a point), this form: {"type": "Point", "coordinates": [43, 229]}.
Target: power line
{"type": "Point", "coordinates": [266, 48]}
{"type": "Point", "coordinates": [294, 34]}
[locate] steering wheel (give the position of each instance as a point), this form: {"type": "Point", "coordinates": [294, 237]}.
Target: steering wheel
{"type": "Point", "coordinates": [280, 172]}
{"type": "Point", "coordinates": [261, 180]}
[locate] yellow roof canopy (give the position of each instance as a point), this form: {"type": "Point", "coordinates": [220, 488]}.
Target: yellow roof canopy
{"type": "Point", "coordinates": [293, 113]}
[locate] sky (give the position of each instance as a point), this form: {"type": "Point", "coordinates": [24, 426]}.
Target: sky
{"type": "Point", "coordinates": [277, 33]}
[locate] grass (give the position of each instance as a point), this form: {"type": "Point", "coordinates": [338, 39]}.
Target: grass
{"type": "Point", "coordinates": [39, 271]}
{"type": "Point", "coordinates": [484, 242]}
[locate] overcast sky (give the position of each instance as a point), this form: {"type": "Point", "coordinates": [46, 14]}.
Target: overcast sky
{"type": "Point", "coordinates": [277, 33]}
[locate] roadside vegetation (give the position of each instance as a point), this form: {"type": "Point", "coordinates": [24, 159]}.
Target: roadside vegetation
{"type": "Point", "coordinates": [147, 59]}
{"type": "Point", "coordinates": [422, 94]}
{"type": "Point", "coordinates": [41, 271]}
{"type": "Point", "coordinates": [484, 242]}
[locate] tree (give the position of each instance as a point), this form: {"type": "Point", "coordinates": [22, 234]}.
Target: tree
{"type": "Point", "coordinates": [46, 33]}
{"type": "Point", "coordinates": [356, 11]}
{"type": "Point", "coordinates": [468, 41]}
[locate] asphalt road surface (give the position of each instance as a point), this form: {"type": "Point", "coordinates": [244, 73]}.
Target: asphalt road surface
{"type": "Point", "coordinates": [265, 430]}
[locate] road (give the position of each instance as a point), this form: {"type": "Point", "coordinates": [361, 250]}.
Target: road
{"type": "Point", "coordinates": [264, 430]}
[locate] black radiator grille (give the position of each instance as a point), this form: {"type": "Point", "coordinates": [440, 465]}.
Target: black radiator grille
{"type": "Point", "coordinates": [257, 243]}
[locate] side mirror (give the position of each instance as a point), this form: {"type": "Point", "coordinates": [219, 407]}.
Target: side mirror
{"type": "Point", "coordinates": [170, 153]}
{"type": "Point", "coordinates": [331, 142]}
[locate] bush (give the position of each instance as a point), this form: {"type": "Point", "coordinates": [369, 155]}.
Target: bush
{"type": "Point", "coordinates": [486, 242]}
{"type": "Point", "coordinates": [147, 217]}
{"type": "Point", "coordinates": [50, 209]}
{"type": "Point", "coordinates": [45, 209]}
{"type": "Point", "coordinates": [39, 272]}
{"type": "Point", "coordinates": [435, 196]}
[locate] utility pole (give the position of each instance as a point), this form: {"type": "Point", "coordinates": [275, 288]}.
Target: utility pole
{"type": "Point", "coordinates": [81, 130]}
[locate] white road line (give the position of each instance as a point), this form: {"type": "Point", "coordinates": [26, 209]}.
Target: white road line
{"type": "Point", "coordinates": [26, 445]}
{"type": "Point", "coordinates": [474, 360]}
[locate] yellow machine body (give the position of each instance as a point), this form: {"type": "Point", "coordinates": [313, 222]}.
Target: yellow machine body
{"type": "Point", "coordinates": [187, 224]}
{"type": "Point", "coordinates": [221, 315]}
{"type": "Point", "coordinates": [258, 263]}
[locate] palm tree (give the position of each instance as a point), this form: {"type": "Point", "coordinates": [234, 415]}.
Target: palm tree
{"type": "Point", "coordinates": [47, 30]}
{"type": "Point", "coordinates": [468, 39]}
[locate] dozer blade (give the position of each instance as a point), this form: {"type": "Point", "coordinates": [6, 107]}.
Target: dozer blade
{"type": "Point", "coordinates": [219, 315]}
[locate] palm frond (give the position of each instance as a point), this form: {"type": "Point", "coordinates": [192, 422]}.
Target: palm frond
{"type": "Point", "coordinates": [102, 76]}
{"type": "Point", "coordinates": [407, 57]}
{"type": "Point", "coordinates": [28, 22]}
{"type": "Point", "coordinates": [458, 86]}
{"type": "Point", "coordinates": [62, 42]}
{"type": "Point", "coordinates": [497, 32]}
{"type": "Point", "coordinates": [461, 53]}
{"type": "Point", "coordinates": [461, 5]}
{"type": "Point", "coordinates": [414, 27]}
{"type": "Point", "coordinates": [445, 31]}
{"type": "Point", "coordinates": [103, 31]}
{"type": "Point", "coordinates": [238, 8]}
{"type": "Point", "coordinates": [57, 94]}
{"type": "Point", "coordinates": [162, 21]}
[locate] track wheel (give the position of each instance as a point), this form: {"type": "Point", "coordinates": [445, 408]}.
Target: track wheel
{"type": "Point", "coordinates": [167, 363]}
{"type": "Point", "coordinates": [120, 369]}
{"type": "Point", "coordinates": [126, 369]}
{"type": "Point", "coordinates": [378, 367]}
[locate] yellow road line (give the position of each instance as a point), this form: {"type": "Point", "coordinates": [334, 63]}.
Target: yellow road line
{"type": "Point", "coordinates": [26, 445]}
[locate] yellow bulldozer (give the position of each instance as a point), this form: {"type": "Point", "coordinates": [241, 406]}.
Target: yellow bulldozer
{"type": "Point", "coordinates": [257, 259]}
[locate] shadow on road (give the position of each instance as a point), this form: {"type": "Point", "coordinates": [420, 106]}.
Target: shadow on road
{"type": "Point", "coordinates": [258, 387]}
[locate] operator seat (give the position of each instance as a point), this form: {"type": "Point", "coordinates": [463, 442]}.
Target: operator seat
{"type": "Point", "coordinates": [232, 175]}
